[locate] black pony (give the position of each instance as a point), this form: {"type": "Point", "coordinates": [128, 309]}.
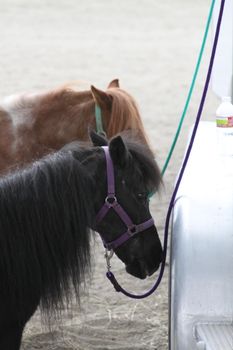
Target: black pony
{"type": "Point", "coordinates": [46, 213]}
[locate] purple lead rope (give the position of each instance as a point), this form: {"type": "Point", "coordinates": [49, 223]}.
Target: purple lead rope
{"type": "Point", "coordinates": [109, 274]}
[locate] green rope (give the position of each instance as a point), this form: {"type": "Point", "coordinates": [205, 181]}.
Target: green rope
{"type": "Point", "coordinates": [190, 91]}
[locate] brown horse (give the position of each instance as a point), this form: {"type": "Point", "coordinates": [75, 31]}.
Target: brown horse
{"type": "Point", "coordinates": [32, 125]}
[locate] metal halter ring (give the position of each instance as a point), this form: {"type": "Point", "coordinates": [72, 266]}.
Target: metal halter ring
{"type": "Point", "coordinates": [111, 200]}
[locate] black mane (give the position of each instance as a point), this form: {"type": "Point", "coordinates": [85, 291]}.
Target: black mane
{"type": "Point", "coordinates": [50, 255]}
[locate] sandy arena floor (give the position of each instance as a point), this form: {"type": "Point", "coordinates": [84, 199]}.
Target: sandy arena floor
{"type": "Point", "coordinates": [152, 47]}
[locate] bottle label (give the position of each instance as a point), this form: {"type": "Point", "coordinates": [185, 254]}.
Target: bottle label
{"type": "Point", "coordinates": [224, 122]}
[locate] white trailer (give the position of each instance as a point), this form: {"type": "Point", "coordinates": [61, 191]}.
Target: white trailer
{"type": "Point", "coordinates": [201, 276]}
{"type": "Point", "coordinates": [201, 303]}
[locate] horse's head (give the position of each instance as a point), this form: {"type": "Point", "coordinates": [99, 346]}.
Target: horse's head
{"type": "Point", "coordinates": [119, 110]}
{"type": "Point", "coordinates": [122, 206]}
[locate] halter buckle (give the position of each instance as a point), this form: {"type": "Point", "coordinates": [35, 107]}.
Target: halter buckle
{"type": "Point", "coordinates": [132, 230]}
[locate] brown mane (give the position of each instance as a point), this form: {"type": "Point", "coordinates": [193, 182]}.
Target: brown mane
{"type": "Point", "coordinates": [124, 114]}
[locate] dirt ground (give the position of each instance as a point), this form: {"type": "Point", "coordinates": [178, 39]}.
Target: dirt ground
{"type": "Point", "coordinates": [152, 47]}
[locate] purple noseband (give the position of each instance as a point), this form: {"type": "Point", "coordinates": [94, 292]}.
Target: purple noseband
{"type": "Point", "coordinates": [112, 203]}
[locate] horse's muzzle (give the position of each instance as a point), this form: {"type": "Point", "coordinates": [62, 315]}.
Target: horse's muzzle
{"type": "Point", "coordinates": [141, 269]}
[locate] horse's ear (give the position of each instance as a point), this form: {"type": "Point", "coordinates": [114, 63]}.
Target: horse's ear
{"type": "Point", "coordinates": [114, 84]}
{"type": "Point", "coordinates": [101, 98]}
{"type": "Point", "coordinates": [118, 151]}
{"type": "Point", "coordinates": [97, 139]}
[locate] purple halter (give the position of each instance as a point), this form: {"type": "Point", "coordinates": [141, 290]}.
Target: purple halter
{"type": "Point", "coordinates": [112, 203]}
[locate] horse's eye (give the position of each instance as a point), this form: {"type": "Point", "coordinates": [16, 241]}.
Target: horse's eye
{"type": "Point", "coordinates": [142, 196]}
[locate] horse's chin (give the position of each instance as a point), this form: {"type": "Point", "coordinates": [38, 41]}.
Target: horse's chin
{"type": "Point", "coordinates": [136, 272]}
{"type": "Point", "coordinates": [140, 270]}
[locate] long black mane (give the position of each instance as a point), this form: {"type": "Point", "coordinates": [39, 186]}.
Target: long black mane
{"type": "Point", "coordinates": [42, 208]}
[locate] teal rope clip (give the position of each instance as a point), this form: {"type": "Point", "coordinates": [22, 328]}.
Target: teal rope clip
{"type": "Point", "coordinates": [98, 120]}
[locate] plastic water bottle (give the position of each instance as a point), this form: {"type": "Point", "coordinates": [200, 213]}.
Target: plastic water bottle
{"type": "Point", "coordinates": [224, 122]}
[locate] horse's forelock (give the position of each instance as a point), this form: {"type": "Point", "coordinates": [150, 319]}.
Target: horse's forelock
{"type": "Point", "coordinates": [124, 114]}
{"type": "Point", "coordinates": [142, 162]}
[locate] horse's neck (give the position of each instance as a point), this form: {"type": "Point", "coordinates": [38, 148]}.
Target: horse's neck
{"type": "Point", "coordinates": [62, 117]}
{"type": "Point", "coordinates": [35, 124]}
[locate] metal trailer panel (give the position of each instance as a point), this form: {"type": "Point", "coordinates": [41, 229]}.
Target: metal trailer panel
{"type": "Point", "coordinates": [201, 282]}
{"type": "Point", "coordinates": [222, 75]}
{"type": "Point", "coordinates": [215, 336]}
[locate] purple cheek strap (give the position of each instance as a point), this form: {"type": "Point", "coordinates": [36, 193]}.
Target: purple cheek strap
{"type": "Point", "coordinates": [112, 203]}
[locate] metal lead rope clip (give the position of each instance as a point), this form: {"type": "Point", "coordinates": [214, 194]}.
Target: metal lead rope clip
{"type": "Point", "coordinates": [108, 256]}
